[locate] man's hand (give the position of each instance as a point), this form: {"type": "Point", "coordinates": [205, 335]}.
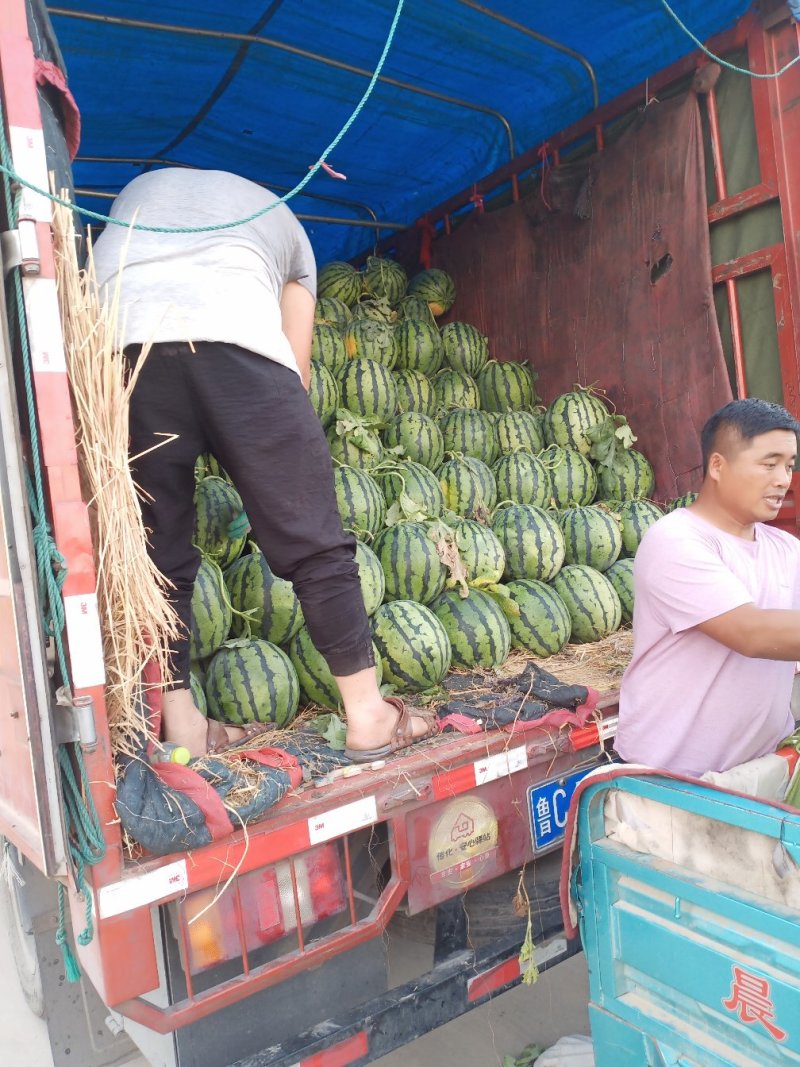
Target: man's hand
{"type": "Point", "coordinates": [758, 633]}
{"type": "Point", "coordinates": [297, 320]}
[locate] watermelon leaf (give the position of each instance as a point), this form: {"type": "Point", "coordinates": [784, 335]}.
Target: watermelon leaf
{"type": "Point", "coordinates": [447, 551]}
{"type": "Point", "coordinates": [332, 729]}
{"type": "Point", "coordinates": [501, 595]}
{"type": "Point", "coordinates": [609, 439]}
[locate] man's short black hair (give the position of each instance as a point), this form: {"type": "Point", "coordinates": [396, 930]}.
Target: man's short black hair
{"type": "Point", "coordinates": [746, 419]}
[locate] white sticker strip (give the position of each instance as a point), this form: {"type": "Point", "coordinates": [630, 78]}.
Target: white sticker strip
{"type": "Point", "coordinates": [493, 767]}
{"type": "Point", "coordinates": [30, 162]}
{"type": "Point", "coordinates": [44, 325]}
{"type": "Point", "coordinates": [608, 727]}
{"type": "Point", "coordinates": [142, 889]}
{"type": "Point", "coordinates": [329, 824]}
{"type": "Point", "coordinates": [85, 640]}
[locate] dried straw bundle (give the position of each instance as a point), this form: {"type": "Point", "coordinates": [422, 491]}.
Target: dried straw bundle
{"type": "Point", "coordinates": [137, 620]}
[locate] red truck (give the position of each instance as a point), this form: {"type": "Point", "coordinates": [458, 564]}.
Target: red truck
{"type": "Point", "coordinates": [288, 965]}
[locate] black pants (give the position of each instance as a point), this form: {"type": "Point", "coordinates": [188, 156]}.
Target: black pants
{"type": "Point", "coordinates": [255, 417]}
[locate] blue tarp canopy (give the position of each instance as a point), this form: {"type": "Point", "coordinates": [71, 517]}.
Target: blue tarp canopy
{"type": "Point", "coordinates": [148, 88]}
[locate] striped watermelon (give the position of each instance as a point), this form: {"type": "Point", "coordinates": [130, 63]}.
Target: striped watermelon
{"type": "Point", "coordinates": [371, 576]}
{"type": "Point", "coordinates": [477, 627]}
{"type": "Point", "coordinates": [413, 645]}
{"type": "Point", "coordinates": [462, 487]}
{"type": "Point", "coordinates": [620, 574]}
{"type": "Point", "coordinates": [327, 347]}
{"type": "Point", "coordinates": [360, 447]}
{"type": "Point", "coordinates": [632, 477]}
{"type": "Point", "coordinates": [217, 505]}
{"type": "Point", "coordinates": [681, 501]}
{"type": "Point", "coordinates": [339, 280]}
{"type": "Point", "coordinates": [414, 307]}
{"type": "Point", "coordinates": [410, 563]}
{"type": "Point", "coordinates": [198, 692]}
{"type": "Point", "coordinates": [414, 392]}
{"type": "Point", "coordinates": [417, 482]}
{"type": "Point", "coordinates": [378, 309]}
{"type": "Point", "coordinates": [518, 430]}
{"type": "Point", "coordinates": [570, 417]}
{"type": "Point", "coordinates": [252, 681]}
{"type": "Point", "coordinates": [481, 553]}
{"type": "Point", "coordinates": [523, 479]}
{"type": "Point", "coordinates": [505, 387]}
{"type": "Point", "coordinates": [419, 347]}
{"type": "Point", "coordinates": [592, 536]}
{"type": "Point", "coordinates": [455, 389]}
{"type": "Point", "coordinates": [269, 602]}
{"type": "Point", "coordinates": [591, 601]}
{"type": "Point", "coordinates": [332, 312]}
{"type": "Point", "coordinates": [465, 347]}
{"type": "Point", "coordinates": [317, 684]}
{"type": "Point", "coordinates": [487, 480]}
{"type": "Point", "coordinates": [369, 339]}
{"type": "Point", "coordinates": [360, 501]}
{"type": "Point", "coordinates": [207, 465]}
{"type": "Point", "coordinates": [636, 516]}
{"type": "Point", "coordinates": [469, 432]}
{"type": "Point", "coordinates": [368, 389]}
{"type": "Point", "coordinates": [323, 392]}
{"type": "Point", "coordinates": [572, 476]}
{"type": "Point", "coordinates": [436, 288]}
{"type": "Point", "coordinates": [385, 279]}
{"type": "Point", "coordinates": [532, 541]}
{"type": "Point", "coordinates": [543, 625]}
{"type": "Point", "coordinates": [419, 437]}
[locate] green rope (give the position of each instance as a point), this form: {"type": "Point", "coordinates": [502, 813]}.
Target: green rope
{"type": "Point", "coordinates": [7, 169]}
{"type": "Point", "coordinates": [724, 62]}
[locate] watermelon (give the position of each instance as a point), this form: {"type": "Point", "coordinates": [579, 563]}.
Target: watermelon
{"type": "Point", "coordinates": [518, 430]}
{"type": "Point", "coordinates": [414, 307]}
{"type": "Point", "coordinates": [572, 476]}
{"type": "Point", "coordinates": [414, 392]}
{"type": "Point", "coordinates": [317, 684]}
{"type": "Point", "coordinates": [436, 288]}
{"type": "Point", "coordinates": [463, 488]}
{"type": "Point", "coordinates": [323, 392]}
{"type": "Point", "coordinates": [327, 347]}
{"type": "Point", "coordinates": [410, 563]}
{"type": "Point", "coordinates": [371, 576]}
{"type": "Point", "coordinates": [198, 692]}
{"type": "Point", "coordinates": [419, 346]}
{"type": "Point", "coordinates": [620, 574]}
{"type": "Point", "coordinates": [636, 516]}
{"type": "Point", "coordinates": [413, 645]}
{"type": "Point", "coordinates": [270, 603]}
{"type": "Point", "coordinates": [477, 627]}
{"type": "Point", "coordinates": [218, 505]}
{"type": "Point", "coordinates": [368, 389]}
{"type": "Point", "coordinates": [681, 501]}
{"type": "Point", "coordinates": [252, 681]}
{"type": "Point", "coordinates": [418, 483]}
{"type": "Point", "coordinates": [469, 432]}
{"type": "Point", "coordinates": [570, 418]}
{"type": "Point", "coordinates": [360, 447]}
{"type": "Point", "coordinates": [523, 479]}
{"type": "Point", "coordinates": [339, 280]}
{"type": "Point", "coordinates": [543, 625]}
{"type": "Point", "coordinates": [487, 481]}
{"type": "Point", "coordinates": [591, 601]}
{"type": "Point", "coordinates": [465, 348]}
{"type": "Point", "coordinates": [385, 279]}
{"type": "Point", "coordinates": [481, 553]}
{"type": "Point", "coordinates": [505, 387]}
{"type": "Point", "coordinates": [631, 478]}
{"type": "Point", "coordinates": [454, 389]}
{"type": "Point", "coordinates": [361, 504]}
{"type": "Point", "coordinates": [592, 536]}
{"type": "Point", "coordinates": [368, 339]}
{"type": "Point", "coordinates": [332, 312]}
{"type": "Point", "coordinates": [206, 465]}
{"type": "Point", "coordinates": [418, 435]}
{"type": "Point", "coordinates": [532, 541]}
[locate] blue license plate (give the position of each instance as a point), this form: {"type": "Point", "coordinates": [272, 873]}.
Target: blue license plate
{"type": "Point", "coordinates": [548, 803]}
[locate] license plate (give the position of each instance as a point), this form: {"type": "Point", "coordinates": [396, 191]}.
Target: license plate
{"type": "Point", "coordinates": [548, 804]}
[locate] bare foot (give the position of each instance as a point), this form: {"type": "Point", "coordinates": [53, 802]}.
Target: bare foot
{"type": "Point", "coordinates": [185, 725]}
{"type": "Point", "coordinates": [373, 727]}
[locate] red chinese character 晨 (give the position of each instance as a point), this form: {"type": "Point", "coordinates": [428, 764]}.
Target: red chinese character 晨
{"type": "Point", "coordinates": [751, 999]}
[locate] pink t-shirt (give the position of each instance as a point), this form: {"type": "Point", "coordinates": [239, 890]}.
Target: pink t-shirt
{"type": "Point", "coordinates": [687, 703]}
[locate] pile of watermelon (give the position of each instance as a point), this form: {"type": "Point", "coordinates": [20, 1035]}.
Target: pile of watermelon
{"type": "Point", "coordinates": [484, 520]}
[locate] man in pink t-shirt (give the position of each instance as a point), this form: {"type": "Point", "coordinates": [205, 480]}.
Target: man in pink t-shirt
{"type": "Point", "coordinates": [716, 621]}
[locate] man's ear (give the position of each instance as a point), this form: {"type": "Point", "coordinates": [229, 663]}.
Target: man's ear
{"type": "Point", "coordinates": [716, 463]}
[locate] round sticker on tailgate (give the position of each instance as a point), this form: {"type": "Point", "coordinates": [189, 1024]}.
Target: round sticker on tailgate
{"type": "Point", "coordinates": [462, 840]}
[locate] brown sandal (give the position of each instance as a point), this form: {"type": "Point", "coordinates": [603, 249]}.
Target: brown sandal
{"type": "Point", "coordinates": [252, 730]}
{"type": "Point", "coordinates": [402, 735]}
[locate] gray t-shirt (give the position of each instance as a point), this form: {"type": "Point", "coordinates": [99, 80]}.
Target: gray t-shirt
{"type": "Point", "coordinates": [222, 285]}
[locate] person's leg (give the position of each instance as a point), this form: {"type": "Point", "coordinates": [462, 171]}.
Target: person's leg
{"type": "Point", "coordinates": [263, 430]}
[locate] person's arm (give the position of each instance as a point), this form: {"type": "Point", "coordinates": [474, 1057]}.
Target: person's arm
{"type": "Point", "coordinates": [759, 633]}
{"type": "Point", "coordinates": [297, 320]}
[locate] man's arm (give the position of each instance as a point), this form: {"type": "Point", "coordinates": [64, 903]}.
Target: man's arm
{"type": "Point", "coordinates": [759, 633]}
{"type": "Point", "coordinates": [297, 320]}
